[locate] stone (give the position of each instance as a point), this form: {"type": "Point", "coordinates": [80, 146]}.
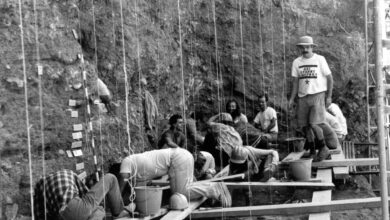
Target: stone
{"type": "Point", "coordinates": [15, 80]}
{"type": "Point", "coordinates": [8, 200]}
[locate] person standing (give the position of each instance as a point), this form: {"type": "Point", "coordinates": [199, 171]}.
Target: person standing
{"type": "Point", "coordinates": [266, 119]}
{"type": "Point", "coordinates": [313, 83]}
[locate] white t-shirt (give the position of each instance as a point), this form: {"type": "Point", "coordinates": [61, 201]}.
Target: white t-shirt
{"type": "Point", "coordinates": [334, 124]}
{"type": "Point", "coordinates": [241, 118]}
{"type": "Point", "coordinates": [311, 73]}
{"type": "Point", "coordinates": [336, 111]}
{"type": "Point", "coordinates": [264, 118]}
{"type": "Point", "coordinates": [148, 165]}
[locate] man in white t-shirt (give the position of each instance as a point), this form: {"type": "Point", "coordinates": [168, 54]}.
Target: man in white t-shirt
{"type": "Point", "coordinates": [335, 110]}
{"type": "Point", "coordinates": [266, 119]}
{"type": "Point", "coordinates": [178, 164]}
{"type": "Point", "coordinates": [313, 83]}
{"type": "Point", "coordinates": [335, 125]}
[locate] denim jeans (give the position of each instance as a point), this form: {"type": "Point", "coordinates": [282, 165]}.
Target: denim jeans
{"type": "Point", "coordinates": [87, 207]}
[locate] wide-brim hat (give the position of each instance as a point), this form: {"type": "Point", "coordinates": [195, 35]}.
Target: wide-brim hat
{"type": "Point", "coordinates": [305, 41]}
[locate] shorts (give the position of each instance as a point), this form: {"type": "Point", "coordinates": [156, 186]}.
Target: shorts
{"type": "Point", "coordinates": [311, 109]}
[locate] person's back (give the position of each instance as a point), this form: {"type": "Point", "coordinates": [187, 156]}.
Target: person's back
{"type": "Point", "coordinates": [335, 125]}
{"type": "Point", "coordinates": [335, 110]}
{"type": "Point", "coordinates": [59, 187]}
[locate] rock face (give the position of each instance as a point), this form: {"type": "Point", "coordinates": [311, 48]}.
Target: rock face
{"type": "Point", "coordinates": [212, 52]}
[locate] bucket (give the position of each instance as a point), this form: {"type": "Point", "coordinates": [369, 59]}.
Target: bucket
{"type": "Point", "coordinates": [148, 199]}
{"type": "Point", "coordinates": [301, 169]}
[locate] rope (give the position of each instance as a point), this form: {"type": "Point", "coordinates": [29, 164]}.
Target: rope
{"type": "Point", "coordinates": [272, 53]}
{"type": "Point", "coordinates": [40, 103]}
{"type": "Point", "coordinates": [218, 93]}
{"type": "Point", "coordinates": [244, 91]}
{"type": "Point", "coordinates": [262, 72]}
{"type": "Point", "coordinates": [182, 72]}
{"type": "Point", "coordinates": [26, 109]}
{"type": "Point", "coordinates": [234, 55]}
{"type": "Point", "coordinates": [216, 58]}
{"type": "Point", "coordinates": [99, 113]}
{"type": "Point", "coordinates": [126, 82]}
{"type": "Point", "coordinates": [285, 83]}
{"type": "Point", "coordinates": [142, 119]}
{"type": "Point", "coordinates": [130, 180]}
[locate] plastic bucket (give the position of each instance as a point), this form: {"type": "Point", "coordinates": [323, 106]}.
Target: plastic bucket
{"type": "Point", "coordinates": [148, 199]}
{"type": "Point", "coordinates": [301, 169]}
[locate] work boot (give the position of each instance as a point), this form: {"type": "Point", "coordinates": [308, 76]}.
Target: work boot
{"type": "Point", "coordinates": [323, 154]}
{"type": "Point", "coordinates": [309, 146]}
{"type": "Point", "coordinates": [224, 195]}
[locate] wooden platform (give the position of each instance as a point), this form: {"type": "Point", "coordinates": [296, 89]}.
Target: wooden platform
{"type": "Point", "coordinates": [290, 209]}
{"type": "Point", "coordinates": [162, 212]}
{"type": "Point", "coordinates": [324, 175]}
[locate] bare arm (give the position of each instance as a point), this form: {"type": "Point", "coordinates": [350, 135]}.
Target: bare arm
{"type": "Point", "coordinates": [294, 91]}
{"type": "Point", "coordinates": [122, 181]}
{"type": "Point", "coordinates": [330, 90]}
{"type": "Point", "coordinates": [271, 125]}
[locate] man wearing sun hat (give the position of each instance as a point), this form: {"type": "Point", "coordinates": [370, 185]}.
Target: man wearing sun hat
{"type": "Point", "coordinates": [313, 83]}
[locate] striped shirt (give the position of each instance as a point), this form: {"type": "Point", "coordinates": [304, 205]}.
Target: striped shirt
{"type": "Point", "coordinates": [60, 188]}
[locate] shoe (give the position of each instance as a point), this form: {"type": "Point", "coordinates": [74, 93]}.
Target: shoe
{"type": "Point", "coordinates": [225, 198]}
{"type": "Point", "coordinates": [323, 154]}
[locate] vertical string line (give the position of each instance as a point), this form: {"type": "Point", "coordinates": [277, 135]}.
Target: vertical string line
{"type": "Point", "coordinates": [126, 81]}
{"type": "Point", "coordinates": [26, 108]}
{"type": "Point", "coordinates": [182, 72]}
{"type": "Point", "coordinates": [216, 58]}
{"type": "Point", "coordinates": [252, 69]}
{"type": "Point", "coordinates": [261, 46]}
{"type": "Point", "coordinates": [99, 112]}
{"type": "Point", "coordinates": [285, 84]}
{"type": "Point", "coordinates": [141, 94]}
{"type": "Point", "coordinates": [216, 69]}
{"type": "Point", "coordinates": [234, 54]}
{"type": "Point", "coordinates": [41, 121]}
{"type": "Point", "coordinates": [272, 54]}
{"type": "Point", "coordinates": [244, 89]}
{"type": "Point", "coordinates": [139, 72]}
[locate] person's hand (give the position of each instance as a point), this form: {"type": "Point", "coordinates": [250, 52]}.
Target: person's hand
{"type": "Point", "coordinates": [328, 101]}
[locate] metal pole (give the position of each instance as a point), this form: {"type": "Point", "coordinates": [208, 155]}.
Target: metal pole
{"type": "Point", "coordinates": [380, 106]}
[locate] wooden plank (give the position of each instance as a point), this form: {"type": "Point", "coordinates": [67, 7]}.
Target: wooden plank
{"type": "Point", "coordinates": [340, 172]}
{"type": "Point", "coordinates": [321, 196]}
{"type": "Point", "coordinates": [267, 185]}
{"type": "Point", "coordinates": [236, 176]}
{"type": "Point", "coordinates": [162, 211]}
{"type": "Point", "coordinates": [325, 175]}
{"type": "Point", "coordinates": [346, 162]}
{"type": "Point", "coordinates": [293, 156]}
{"type": "Point", "coordinates": [223, 172]}
{"type": "Point", "coordinates": [178, 214]}
{"type": "Point", "coordinates": [291, 209]}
